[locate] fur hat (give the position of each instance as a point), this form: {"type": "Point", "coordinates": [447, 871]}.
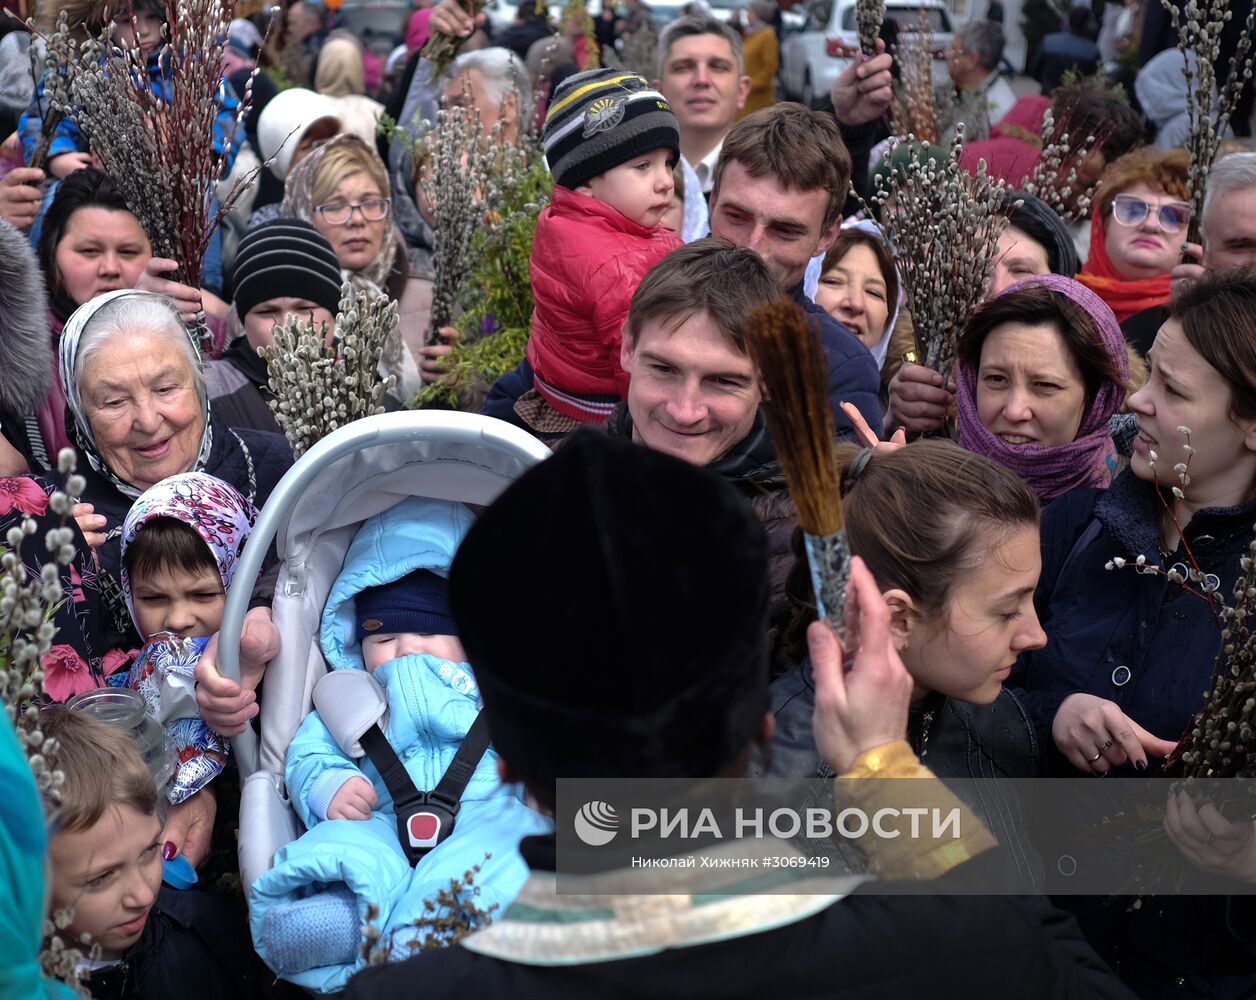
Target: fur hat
{"type": "Point", "coordinates": [602, 118]}
{"type": "Point", "coordinates": [613, 604]}
{"type": "Point", "coordinates": [25, 349]}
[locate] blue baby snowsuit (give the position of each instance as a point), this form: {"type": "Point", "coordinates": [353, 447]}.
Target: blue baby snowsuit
{"type": "Point", "coordinates": [431, 705]}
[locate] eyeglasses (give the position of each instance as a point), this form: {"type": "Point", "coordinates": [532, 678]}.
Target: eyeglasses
{"type": "Point", "coordinates": [339, 215]}
{"type": "Point", "coordinates": [1131, 210]}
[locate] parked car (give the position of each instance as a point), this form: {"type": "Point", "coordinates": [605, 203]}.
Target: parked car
{"type": "Point", "coordinates": [726, 10]}
{"type": "Point", "coordinates": [814, 57]}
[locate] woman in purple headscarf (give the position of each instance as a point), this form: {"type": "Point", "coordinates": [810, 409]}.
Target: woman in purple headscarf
{"type": "Point", "coordinates": [1039, 372]}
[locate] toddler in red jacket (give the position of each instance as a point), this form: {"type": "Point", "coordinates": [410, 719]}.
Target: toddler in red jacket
{"type": "Point", "coordinates": [611, 141]}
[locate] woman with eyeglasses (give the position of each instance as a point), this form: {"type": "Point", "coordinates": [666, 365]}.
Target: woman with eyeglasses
{"type": "Point", "coordinates": [1138, 225]}
{"type": "Point", "coordinates": [342, 189]}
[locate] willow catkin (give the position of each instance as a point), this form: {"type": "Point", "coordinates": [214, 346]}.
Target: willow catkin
{"type": "Point", "coordinates": [1209, 105]}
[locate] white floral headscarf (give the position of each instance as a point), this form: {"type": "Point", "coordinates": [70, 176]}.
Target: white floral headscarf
{"type": "Point", "coordinates": [68, 361]}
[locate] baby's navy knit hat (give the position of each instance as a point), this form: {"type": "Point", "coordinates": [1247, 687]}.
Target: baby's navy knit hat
{"type": "Point", "coordinates": [286, 258]}
{"type": "Point", "coordinates": [602, 118]}
{"type": "Point", "coordinates": [418, 602]}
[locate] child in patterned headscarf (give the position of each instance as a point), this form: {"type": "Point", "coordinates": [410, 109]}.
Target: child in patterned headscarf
{"type": "Point", "coordinates": [181, 541]}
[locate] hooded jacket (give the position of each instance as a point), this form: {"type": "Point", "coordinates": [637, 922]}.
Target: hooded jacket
{"type": "Point", "coordinates": [25, 348]}
{"type": "Point", "coordinates": [587, 260]}
{"type": "Point", "coordinates": [431, 705]}
{"type": "Point", "coordinates": [192, 947]}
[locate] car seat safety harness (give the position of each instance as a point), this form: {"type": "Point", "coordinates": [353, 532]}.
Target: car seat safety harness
{"type": "Point", "coordinates": [424, 819]}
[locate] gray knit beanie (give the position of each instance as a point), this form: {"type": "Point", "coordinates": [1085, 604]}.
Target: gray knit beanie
{"type": "Point", "coordinates": [602, 118]}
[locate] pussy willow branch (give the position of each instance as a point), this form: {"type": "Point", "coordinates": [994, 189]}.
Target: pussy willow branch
{"type": "Point", "coordinates": [319, 387]}
{"type": "Point", "coordinates": [869, 16]}
{"type": "Point", "coordinates": [157, 142]}
{"type": "Point", "coordinates": [459, 177]}
{"type": "Point", "coordinates": [1208, 105]}
{"type": "Point", "coordinates": [1055, 179]}
{"type": "Point", "coordinates": [944, 225]}
{"type": "Point", "coordinates": [54, 70]}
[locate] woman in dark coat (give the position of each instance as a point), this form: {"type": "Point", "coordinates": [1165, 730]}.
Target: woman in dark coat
{"type": "Point", "coordinates": [1130, 654]}
{"type": "Point", "coordinates": [957, 631]}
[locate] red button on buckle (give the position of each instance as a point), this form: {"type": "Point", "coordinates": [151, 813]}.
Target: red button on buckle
{"type": "Point", "coordinates": [423, 829]}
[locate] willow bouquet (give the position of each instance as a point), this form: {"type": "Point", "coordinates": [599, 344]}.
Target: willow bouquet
{"type": "Point", "coordinates": [919, 109]}
{"type": "Point", "coordinates": [319, 387]}
{"type": "Point", "coordinates": [1055, 179]}
{"type": "Point", "coordinates": [29, 596]}
{"type": "Point", "coordinates": [459, 172]}
{"type": "Point", "coordinates": [790, 360]}
{"type": "Point", "coordinates": [1221, 739]}
{"type": "Point", "coordinates": [944, 225]}
{"type": "Point", "coordinates": [1209, 105]}
{"type": "Point", "coordinates": [153, 127]}
{"type": "Point", "coordinates": [52, 69]}
{"type": "Point", "coordinates": [441, 50]}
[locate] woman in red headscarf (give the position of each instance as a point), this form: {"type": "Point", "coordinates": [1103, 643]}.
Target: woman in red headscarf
{"type": "Point", "coordinates": [1138, 225]}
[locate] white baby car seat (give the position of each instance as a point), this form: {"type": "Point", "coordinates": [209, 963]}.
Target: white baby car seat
{"type": "Point", "coordinates": [313, 515]}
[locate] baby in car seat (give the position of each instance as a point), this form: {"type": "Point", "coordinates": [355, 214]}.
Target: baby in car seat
{"type": "Point", "coordinates": [387, 614]}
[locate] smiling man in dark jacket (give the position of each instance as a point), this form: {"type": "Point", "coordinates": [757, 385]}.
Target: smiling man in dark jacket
{"type": "Point", "coordinates": [692, 389]}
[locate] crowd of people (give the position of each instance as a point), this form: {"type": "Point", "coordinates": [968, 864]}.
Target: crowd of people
{"type": "Point", "coordinates": [1101, 411]}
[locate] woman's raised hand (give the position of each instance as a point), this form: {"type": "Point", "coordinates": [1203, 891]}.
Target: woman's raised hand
{"type": "Point", "coordinates": [187, 300]}
{"type": "Point", "coordinates": [1096, 736]}
{"type": "Point", "coordinates": [866, 706]}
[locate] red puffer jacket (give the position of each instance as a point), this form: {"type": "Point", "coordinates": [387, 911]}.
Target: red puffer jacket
{"type": "Point", "coordinates": [587, 260]}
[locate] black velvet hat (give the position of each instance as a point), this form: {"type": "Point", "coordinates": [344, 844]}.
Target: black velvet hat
{"type": "Point", "coordinates": [613, 604]}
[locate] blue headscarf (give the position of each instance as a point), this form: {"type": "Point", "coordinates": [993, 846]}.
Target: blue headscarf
{"type": "Point", "coordinates": [23, 853]}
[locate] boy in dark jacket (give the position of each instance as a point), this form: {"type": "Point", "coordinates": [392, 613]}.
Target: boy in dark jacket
{"type": "Point", "coordinates": [611, 142]}
{"type": "Point", "coordinates": [106, 863]}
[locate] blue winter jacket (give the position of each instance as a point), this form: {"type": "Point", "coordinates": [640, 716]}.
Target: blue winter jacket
{"type": "Point", "coordinates": [68, 138]}
{"type": "Point", "coordinates": [1149, 646]}
{"type": "Point", "coordinates": [431, 705]}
